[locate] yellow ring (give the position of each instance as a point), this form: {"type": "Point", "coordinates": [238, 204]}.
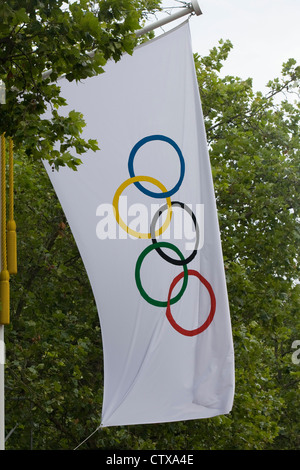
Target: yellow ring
{"type": "Point", "coordinates": [115, 204]}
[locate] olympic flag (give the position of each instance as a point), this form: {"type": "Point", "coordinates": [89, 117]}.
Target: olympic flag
{"type": "Point", "coordinates": [143, 214]}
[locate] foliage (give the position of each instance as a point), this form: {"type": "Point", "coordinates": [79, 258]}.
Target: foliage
{"type": "Point", "coordinates": [55, 328]}
{"type": "Point", "coordinates": [254, 150]}
{"type": "Point", "coordinates": [59, 36]}
{"type": "Point", "coordinates": [54, 362]}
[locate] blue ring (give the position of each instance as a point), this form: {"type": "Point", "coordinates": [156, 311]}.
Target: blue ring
{"type": "Point", "coordinates": [133, 152]}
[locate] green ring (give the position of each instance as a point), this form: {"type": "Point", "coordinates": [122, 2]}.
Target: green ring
{"type": "Point", "coordinates": [159, 303]}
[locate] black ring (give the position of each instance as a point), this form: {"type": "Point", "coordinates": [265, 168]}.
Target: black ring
{"type": "Point", "coordinates": [177, 262]}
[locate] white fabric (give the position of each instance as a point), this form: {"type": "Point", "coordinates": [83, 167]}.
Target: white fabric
{"type": "Point", "coordinates": [152, 371]}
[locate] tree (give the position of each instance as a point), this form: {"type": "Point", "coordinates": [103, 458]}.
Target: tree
{"type": "Point", "coordinates": [54, 364]}
{"type": "Point", "coordinates": [49, 340]}
{"type": "Point", "coordinates": [255, 149]}
{"type": "Point", "coordinates": [59, 36]}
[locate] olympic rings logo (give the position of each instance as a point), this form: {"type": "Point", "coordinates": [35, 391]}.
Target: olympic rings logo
{"type": "Point", "coordinates": [157, 246]}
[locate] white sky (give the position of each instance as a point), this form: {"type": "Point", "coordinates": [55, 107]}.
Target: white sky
{"type": "Point", "coordinates": [264, 34]}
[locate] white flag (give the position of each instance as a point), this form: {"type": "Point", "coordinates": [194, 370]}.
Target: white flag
{"type": "Point", "coordinates": [143, 214]}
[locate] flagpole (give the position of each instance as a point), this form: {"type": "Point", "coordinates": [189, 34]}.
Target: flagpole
{"type": "Point", "coordinates": [2, 401]}
{"type": "Point", "coordinates": [192, 7]}
{"type": "Point", "coordinates": [2, 343]}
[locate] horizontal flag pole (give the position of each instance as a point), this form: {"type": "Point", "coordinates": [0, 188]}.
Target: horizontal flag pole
{"type": "Point", "coordinates": [192, 7]}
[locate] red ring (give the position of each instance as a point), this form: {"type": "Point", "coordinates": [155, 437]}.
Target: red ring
{"type": "Point", "coordinates": [210, 317]}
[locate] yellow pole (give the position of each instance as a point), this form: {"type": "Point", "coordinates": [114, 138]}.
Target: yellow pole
{"type": "Point", "coordinates": [11, 224]}
{"type": "Point", "coordinates": [4, 275]}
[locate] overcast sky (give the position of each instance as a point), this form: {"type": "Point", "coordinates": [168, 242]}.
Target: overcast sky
{"type": "Point", "coordinates": [264, 34]}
